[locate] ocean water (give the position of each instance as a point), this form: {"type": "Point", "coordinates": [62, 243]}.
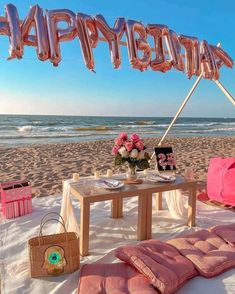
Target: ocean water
{"type": "Point", "coordinates": [18, 130]}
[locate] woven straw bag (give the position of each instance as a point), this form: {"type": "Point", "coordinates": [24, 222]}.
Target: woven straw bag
{"type": "Point", "coordinates": [53, 255]}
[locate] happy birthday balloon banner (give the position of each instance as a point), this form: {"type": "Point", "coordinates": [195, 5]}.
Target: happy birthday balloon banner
{"type": "Point", "coordinates": [200, 57]}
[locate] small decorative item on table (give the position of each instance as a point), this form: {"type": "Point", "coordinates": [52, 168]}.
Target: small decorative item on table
{"type": "Point", "coordinates": [97, 174]}
{"type": "Point", "coordinates": [165, 159]}
{"type": "Point", "coordinates": [132, 151]}
{"type": "Point", "coordinates": [109, 173]}
{"type": "Point", "coordinates": [146, 171]}
{"type": "Point", "coordinates": [76, 177]}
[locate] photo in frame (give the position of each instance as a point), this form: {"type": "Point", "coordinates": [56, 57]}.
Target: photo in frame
{"type": "Point", "coordinates": [165, 159]}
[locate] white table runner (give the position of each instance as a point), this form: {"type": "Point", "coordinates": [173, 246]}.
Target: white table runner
{"type": "Point", "coordinates": [67, 211]}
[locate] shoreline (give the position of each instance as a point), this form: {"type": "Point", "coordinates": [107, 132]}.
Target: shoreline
{"type": "Point", "coordinates": [46, 165]}
{"type": "Point", "coordinates": [170, 138]}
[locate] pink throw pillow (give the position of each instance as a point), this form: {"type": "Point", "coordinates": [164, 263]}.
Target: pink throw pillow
{"type": "Point", "coordinates": [226, 232]}
{"type": "Point", "coordinates": [210, 254]}
{"type": "Point", "coordinates": [161, 263]}
{"type": "Point", "coordinates": [116, 278]}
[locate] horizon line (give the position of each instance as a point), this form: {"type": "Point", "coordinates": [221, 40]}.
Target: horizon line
{"type": "Point", "coordinates": [116, 116]}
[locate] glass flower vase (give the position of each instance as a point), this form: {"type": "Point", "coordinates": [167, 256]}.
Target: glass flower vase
{"type": "Point", "coordinates": [131, 174]}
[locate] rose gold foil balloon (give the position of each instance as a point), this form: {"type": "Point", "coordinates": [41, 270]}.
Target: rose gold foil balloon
{"type": "Point", "coordinates": [16, 46]}
{"type": "Point", "coordinates": [56, 34]}
{"type": "Point", "coordinates": [4, 27]}
{"type": "Point", "coordinates": [221, 57]}
{"type": "Point", "coordinates": [26, 27]}
{"type": "Point", "coordinates": [88, 36]}
{"type": "Point", "coordinates": [36, 20]}
{"type": "Point", "coordinates": [139, 44]}
{"type": "Point", "coordinates": [157, 32]}
{"type": "Point", "coordinates": [113, 36]}
{"type": "Point", "coordinates": [174, 50]}
{"type": "Point", "coordinates": [163, 35]}
{"type": "Point", "coordinates": [208, 65]}
{"type": "Point", "coordinates": [192, 55]}
{"type": "Point", "coordinates": [90, 28]}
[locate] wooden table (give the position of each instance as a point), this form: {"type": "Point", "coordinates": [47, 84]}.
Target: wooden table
{"type": "Point", "coordinates": [86, 192]}
{"type": "Point", "coordinates": [157, 189]}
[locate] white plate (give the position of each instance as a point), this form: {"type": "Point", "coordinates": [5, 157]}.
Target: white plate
{"type": "Point", "coordinates": [155, 179]}
{"type": "Point", "coordinates": [109, 184]}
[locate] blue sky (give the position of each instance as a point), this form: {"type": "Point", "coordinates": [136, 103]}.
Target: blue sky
{"type": "Point", "coordinates": [29, 86]}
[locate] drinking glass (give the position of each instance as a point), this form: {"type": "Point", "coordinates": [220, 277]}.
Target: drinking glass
{"type": "Point", "coordinates": [189, 173]}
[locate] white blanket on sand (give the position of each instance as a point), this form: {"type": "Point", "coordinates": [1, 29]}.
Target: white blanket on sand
{"type": "Point", "coordinates": [106, 234]}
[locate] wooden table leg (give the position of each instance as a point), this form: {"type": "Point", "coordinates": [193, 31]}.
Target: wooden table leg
{"type": "Point", "coordinates": [116, 211]}
{"type": "Point", "coordinates": [120, 207]}
{"type": "Point", "coordinates": [141, 226]}
{"type": "Point", "coordinates": [192, 205]}
{"type": "Point", "coordinates": [149, 216]}
{"type": "Point", "coordinates": [159, 201]}
{"type": "Point", "coordinates": [84, 228]}
{"type": "Point", "coordinates": [114, 208]}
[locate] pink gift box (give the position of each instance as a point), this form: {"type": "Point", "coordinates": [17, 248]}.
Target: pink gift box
{"type": "Point", "coordinates": [16, 198]}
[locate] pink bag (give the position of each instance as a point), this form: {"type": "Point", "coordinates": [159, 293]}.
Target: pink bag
{"type": "Point", "coordinates": [16, 198]}
{"type": "Point", "coordinates": [221, 180]}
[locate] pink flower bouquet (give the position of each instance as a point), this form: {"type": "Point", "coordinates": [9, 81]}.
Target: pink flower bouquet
{"type": "Point", "coordinates": [130, 150]}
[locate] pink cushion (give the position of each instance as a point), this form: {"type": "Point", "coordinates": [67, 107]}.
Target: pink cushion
{"type": "Point", "coordinates": [226, 232]}
{"type": "Point", "coordinates": [220, 180]}
{"type": "Point", "coordinates": [210, 254]}
{"type": "Point", "coordinates": [116, 278]}
{"type": "Point", "coordinates": [165, 268]}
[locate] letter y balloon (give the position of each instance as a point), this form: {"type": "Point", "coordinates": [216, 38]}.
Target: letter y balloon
{"type": "Point", "coordinates": [113, 37]}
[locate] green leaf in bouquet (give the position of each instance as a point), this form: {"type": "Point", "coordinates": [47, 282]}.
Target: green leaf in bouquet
{"type": "Point", "coordinates": [118, 160]}
{"type": "Point", "coordinates": [143, 164]}
{"type": "Point", "coordinates": [147, 156]}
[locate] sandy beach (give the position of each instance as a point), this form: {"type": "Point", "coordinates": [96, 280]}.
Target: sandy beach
{"type": "Point", "coordinates": [45, 166]}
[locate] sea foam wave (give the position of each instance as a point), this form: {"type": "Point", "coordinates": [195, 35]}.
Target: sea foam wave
{"type": "Point", "coordinates": [25, 129]}
{"type": "Point", "coordinates": [211, 130]}
{"type": "Point", "coordinates": [38, 129]}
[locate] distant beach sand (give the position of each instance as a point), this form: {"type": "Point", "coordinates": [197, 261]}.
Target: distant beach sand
{"type": "Point", "coordinates": [47, 165]}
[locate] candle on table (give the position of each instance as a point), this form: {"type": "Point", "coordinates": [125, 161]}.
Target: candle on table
{"type": "Point", "coordinates": [97, 174]}
{"type": "Point", "coordinates": [109, 173]}
{"type": "Point", "coordinates": [146, 171]}
{"type": "Point", "coordinates": [76, 177]}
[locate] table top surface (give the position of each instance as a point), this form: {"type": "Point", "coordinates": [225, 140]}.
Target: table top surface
{"type": "Point", "coordinates": [87, 187]}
